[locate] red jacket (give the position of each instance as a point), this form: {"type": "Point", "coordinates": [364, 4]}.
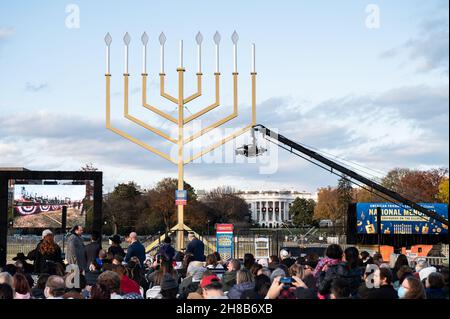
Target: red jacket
{"type": "Point", "coordinates": [128, 286]}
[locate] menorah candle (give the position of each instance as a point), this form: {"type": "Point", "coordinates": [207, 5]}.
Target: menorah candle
{"type": "Point", "coordinates": [108, 61]}
{"type": "Point", "coordinates": [217, 41]}
{"type": "Point", "coordinates": [199, 39]}
{"type": "Point", "coordinates": [235, 38]}
{"type": "Point", "coordinates": [162, 40]}
{"type": "Point", "coordinates": [235, 57]}
{"type": "Point", "coordinates": [162, 59]}
{"type": "Point", "coordinates": [253, 59]}
{"type": "Point", "coordinates": [217, 58]}
{"type": "Point", "coordinates": [108, 40]}
{"type": "Point", "coordinates": [126, 40]}
{"type": "Point", "coordinates": [181, 54]}
{"type": "Point", "coordinates": [199, 57]}
{"type": "Point", "coordinates": [144, 40]}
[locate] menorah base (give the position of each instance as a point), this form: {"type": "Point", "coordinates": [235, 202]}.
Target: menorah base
{"type": "Point", "coordinates": [180, 243]}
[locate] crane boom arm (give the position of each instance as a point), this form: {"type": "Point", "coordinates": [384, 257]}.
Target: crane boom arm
{"type": "Point", "coordinates": [344, 170]}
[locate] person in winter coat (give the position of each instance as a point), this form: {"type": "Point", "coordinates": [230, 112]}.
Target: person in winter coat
{"type": "Point", "coordinates": [191, 283]}
{"type": "Point", "coordinates": [166, 249]}
{"type": "Point", "coordinates": [196, 247]}
{"type": "Point", "coordinates": [76, 253]}
{"type": "Point", "coordinates": [115, 248]}
{"type": "Point", "coordinates": [93, 248]}
{"type": "Point", "coordinates": [46, 253]}
{"type": "Point", "coordinates": [229, 277]}
{"type": "Point", "coordinates": [348, 270]}
{"type": "Point", "coordinates": [135, 249]}
{"type": "Point", "coordinates": [244, 281]}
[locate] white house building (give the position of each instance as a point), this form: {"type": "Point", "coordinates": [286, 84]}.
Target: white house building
{"type": "Point", "coordinates": [271, 208]}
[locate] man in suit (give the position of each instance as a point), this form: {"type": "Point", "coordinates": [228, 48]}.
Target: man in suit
{"type": "Point", "coordinates": [136, 249]}
{"type": "Point", "coordinates": [196, 247]}
{"type": "Point", "coordinates": [76, 253]}
{"type": "Point", "coordinates": [93, 249]}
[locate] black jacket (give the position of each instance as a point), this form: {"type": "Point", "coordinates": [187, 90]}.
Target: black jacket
{"type": "Point", "coordinates": [116, 250]}
{"type": "Point", "coordinates": [92, 251]}
{"type": "Point", "coordinates": [197, 248]}
{"type": "Point", "coordinates": [43, 262]}
{"type": "Point", "coordinates": [341, 270]}
{"type": "Point", "coordinates": [167, 251]}
{"type": "Point", "coordinates": [384, 292]}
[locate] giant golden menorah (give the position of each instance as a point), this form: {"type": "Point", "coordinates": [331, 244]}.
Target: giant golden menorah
{"type": "Point", "coordinates": [181, 101]}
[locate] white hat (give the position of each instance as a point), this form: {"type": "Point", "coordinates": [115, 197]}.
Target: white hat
{"type": "Point", "coordinates": [424, 273]}
{"type": "Point", "coordinates": [46, 232]}
{"type": "Point", "coordinates": [284, 253]}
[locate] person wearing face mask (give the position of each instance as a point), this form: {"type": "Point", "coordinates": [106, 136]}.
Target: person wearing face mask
{"type": "Point", "coordinates": [383, 288]}
{"type": "Point", "coordinates": [412, 288]}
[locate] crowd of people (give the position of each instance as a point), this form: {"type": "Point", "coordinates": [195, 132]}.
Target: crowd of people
{"type": "Point", "coordinates": [115, 273]}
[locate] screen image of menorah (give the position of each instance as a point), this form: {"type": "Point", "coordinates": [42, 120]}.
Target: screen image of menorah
{"type": "Point", "coordinates": [40, 206]}
{"type": "Point", "coordinates": [399, 220]}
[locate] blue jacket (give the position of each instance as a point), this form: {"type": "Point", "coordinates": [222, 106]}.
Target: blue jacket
{"type": "Point", "coordinates": [197, 248]}
{"type": "Point", "coordinates": [167, 250]}
{"type": "Point", "coordinates": [136, 249]}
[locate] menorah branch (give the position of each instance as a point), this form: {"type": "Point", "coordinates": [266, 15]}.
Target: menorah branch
{"type": "Point", "coordinates": [239, 132]}
{"type": "Point", "coordinates": [138, 121]}
{"type": "Point", "coordinates": [122, 133]}
{"type": "Point", "coordinates": [163, 91]}
{"type": "Point", "coordinates": [210, 107]}
{"type": "Point", "coordinates": [199, 90]}
{"type": "Point", "coordinates": [224, 120]}
{"type": "Point", "coordinates": [218, 144]}
{"type": "Point", "coordinates": [150, 107]}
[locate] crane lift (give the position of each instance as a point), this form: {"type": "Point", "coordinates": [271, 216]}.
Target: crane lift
{"type": "Point", "coordinates": [252, 150]}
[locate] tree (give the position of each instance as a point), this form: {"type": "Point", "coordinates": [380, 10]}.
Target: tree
{"type": "Point", "coordinates": [327, 204]}
{"type": "Point", "coordinates": [162, 200]}
{"type": "Point", "coordinates": [120, 207]}
{"type": "Point", "coordinates": [345, 196]}
{"type": "Point", "coordinates": [443, 191]}
{"type": "Point", "coordinates": [302, 211]}
{"type": "Point", "coordinates": [365, 196]}
{"type": "Point", "coordinates": [224, 206]}
{"type": "Point", "coordinates": [416, 185]}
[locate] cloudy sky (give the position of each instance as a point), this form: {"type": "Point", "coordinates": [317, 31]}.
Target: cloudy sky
{"type": "Point", "coordinates": [331, 75]}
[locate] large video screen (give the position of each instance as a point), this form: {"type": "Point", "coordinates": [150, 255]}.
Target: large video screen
{"type": "Point", "coordinates": [397, 219]}
{"type": "Point", "coordinates": [40, 206]}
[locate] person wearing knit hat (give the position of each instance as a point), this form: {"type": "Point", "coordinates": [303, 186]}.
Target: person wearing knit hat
{"type": "Point", "coordinates": [424, 273]}
{"type": "Point", "coordinates": [169, 287]}
{"type": "Point", "coordinates": [46, 232]}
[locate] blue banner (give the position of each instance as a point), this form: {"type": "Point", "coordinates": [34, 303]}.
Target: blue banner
{"type": "Point", "coordinates": [225, 240]}
{"type": "Point", "coordinates": [397, 219]}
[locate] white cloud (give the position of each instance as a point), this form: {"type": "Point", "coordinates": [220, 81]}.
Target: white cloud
{"type": "Point", "coordinates": [6, 32]}
{"type": "Point", "coordinates": [429, 49]}
{"type": "Point", "coordinates": [402, 127]}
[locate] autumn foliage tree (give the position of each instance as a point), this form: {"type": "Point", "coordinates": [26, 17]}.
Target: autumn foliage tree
{"type": "Point", "coordinates": [416, 185]}
{"type": "Point", "coordinates": [443, 191]}
{"type": "Point", "coordinates": [328, 206]}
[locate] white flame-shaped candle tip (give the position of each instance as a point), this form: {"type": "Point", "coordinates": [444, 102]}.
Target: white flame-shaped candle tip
{"type": "Point", "coordinates": [217, 38]}
{"type": "Point", "coordinates": [144, 38]}
{"type": "Point", "coordinates": [235, 37]}
{"type": "Point", "coordinates": [108, 39]}
{"type": "Point", "coordinates": [162, 38]}
{"type": "Point", "coordinates": [199, 38]}
{"type": "Point", "coordinates": [126, 39]}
